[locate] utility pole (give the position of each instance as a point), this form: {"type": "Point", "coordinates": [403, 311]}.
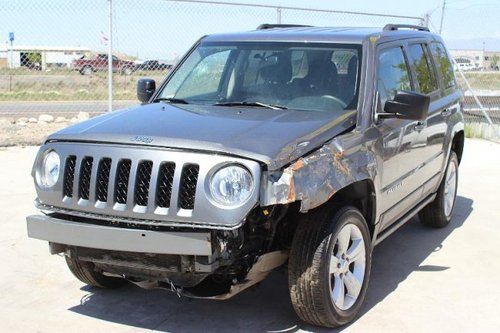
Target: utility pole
{"type": "Point", "coordinates": [110, 58]}
{"type": "Point", "coordinates": [442, 17]}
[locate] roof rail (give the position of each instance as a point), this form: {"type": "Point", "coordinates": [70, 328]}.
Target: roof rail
{"type": "Point", "coordinates": [392, 27]}
{"type": "Point", "coordinates": [272, 26]}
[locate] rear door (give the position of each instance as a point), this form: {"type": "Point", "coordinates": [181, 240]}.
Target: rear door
{"type": "Point", "coordinates": [431, 133]}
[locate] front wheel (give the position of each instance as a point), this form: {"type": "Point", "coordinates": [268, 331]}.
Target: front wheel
{"type": "Point", "coordinates": [438, 213]}
{"type": "Point", "coordinates": [85, 271]}
{"type": "Point", "coordinates": [329, 266]}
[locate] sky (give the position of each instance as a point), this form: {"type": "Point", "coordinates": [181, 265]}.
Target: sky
{"type": "Point", "coordinates": [160, 29]}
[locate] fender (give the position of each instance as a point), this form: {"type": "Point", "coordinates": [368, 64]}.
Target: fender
{"type": "Point", "coordinates": [315, 178]}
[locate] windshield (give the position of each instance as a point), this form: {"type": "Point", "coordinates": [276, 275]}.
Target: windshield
{"type": "Point", "coordinates": [280, 75]}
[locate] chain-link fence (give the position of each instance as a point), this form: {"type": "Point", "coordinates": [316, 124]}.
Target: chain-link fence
{"type": "Point", "coordinates": [56, 58]}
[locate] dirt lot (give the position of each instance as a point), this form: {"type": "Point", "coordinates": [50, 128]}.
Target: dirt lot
{"type": "Point", "coordinates": [12, 134]}
{"type": "Point", "coordinates": [423, 280]}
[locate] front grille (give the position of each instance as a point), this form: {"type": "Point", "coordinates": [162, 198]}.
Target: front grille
{"type": "Point", "coordinates": [142, 185]}
{"type": "Point", "coordinates": [102, 181]}
{"type": "Point", "coordinates": [142, 181]}
{"type": "Point", "coordinates": [121, 184]}
{"type": "Point", "coordinates": [164, 182]}
{"type": "Point", "coordinates": [69, 176]}
{"type": "Point", "coordinates": [85, 174]}
{"type": "Point", "coordinates": [187, 191]}
{"type": "Point", "coordinates": [164, 186]}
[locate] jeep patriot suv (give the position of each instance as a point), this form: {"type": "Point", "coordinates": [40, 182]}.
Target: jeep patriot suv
{"type": "Point", "coordinates": [287, 144]}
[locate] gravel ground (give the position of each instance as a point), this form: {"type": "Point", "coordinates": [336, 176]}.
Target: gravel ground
{"type": "Point", "coordinates": [28, 134]}
{"type": "Point", "coordinates": [423, 280]}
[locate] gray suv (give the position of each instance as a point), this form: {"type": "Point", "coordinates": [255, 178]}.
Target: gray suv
{"type": "Point", "coordinates": [289, 144]}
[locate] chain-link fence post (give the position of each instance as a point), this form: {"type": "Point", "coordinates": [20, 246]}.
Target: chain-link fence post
{"type": "Point", "coordinates": [278, 13]}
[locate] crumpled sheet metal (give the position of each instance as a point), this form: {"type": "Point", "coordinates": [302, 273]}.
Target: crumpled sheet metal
{"type": "Point", "coordinates": [315, 178]}
{"type": "Point", "coordinates": [259, 271]}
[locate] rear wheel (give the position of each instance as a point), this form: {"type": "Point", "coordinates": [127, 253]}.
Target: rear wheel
{"type": "Point", "coordinates": [87, 70]}
{"type": "Point", "coordinates": [85, 271]}
{"type": "Point", "coordinates": [438, 213]}
{"type": "Point", "coordinates": [329, 266]}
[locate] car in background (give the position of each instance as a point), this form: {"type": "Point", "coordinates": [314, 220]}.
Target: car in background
{"type": "Point", "coordinates": [99, 63]}
{"type": "Point", "coordinates": [153, 65]}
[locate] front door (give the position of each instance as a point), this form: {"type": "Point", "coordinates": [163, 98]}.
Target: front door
{"type": "Point", "coordinates": [400, 187]}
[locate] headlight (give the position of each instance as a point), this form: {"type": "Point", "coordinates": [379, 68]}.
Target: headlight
{"type": "Point", "coordinates": [49, 170]}
{"type": "Point", "coordinates": [231, 185]}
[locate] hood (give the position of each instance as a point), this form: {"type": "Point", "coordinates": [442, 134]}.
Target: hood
{"type": "Point", "coordinates": [273, 137]}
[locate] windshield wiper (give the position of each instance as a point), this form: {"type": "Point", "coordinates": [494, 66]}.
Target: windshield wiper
{"type": "Point", "coordinates": [171, 100]}
{"type": "Point", "coordinates": [257, 104]}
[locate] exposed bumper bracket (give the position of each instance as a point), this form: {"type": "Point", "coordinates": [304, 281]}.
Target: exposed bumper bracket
{"type": "Point", "coordinates": [118, 239]}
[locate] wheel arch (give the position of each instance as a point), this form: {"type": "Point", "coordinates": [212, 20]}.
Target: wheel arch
{"type": "Point", "coordinates": [360, 194]}
{"type": "Point", "coordinates": [457, 144]}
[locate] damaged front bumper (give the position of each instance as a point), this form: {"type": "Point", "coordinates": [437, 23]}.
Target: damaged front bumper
{"type": "Point", "coordinates": [173, 260]}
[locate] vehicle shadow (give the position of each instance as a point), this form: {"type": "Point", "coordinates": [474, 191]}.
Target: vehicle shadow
{"type": "Point", "coordinates": [267, 307]}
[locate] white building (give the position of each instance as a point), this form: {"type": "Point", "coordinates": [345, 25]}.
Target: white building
{"type": "Point", "coordinates": [487, 60]}
{"type": "Point", "coordinates": [41, 56]}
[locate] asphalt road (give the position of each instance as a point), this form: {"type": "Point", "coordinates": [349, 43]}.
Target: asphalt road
{"type": "Point", "coordinates": [423, 280]}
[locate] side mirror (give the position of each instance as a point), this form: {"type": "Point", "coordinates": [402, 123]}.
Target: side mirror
{"type": "Point", "coordinates": [145, 89]}
{"type": "Point", "coordinates": [407, 105]}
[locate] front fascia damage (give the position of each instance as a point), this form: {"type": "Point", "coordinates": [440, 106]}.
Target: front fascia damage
{"type": "Point", "coordinates": [315, 178]}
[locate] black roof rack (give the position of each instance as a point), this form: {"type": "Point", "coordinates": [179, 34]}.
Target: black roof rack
{"type": "Point", "coordinates": [392, 27]}
{"type": "Point", "coordinates": [272, 26]}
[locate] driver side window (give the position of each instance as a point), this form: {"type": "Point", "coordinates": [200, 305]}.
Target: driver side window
{"type": "Point", "coordinates": [392, 73]}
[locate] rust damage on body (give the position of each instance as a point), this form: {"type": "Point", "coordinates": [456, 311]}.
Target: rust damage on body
{"type": "Point", "coordinates": [315, 178]}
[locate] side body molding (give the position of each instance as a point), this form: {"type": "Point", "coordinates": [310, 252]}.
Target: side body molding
{"type": "Point", "coordinates": [315, 178]}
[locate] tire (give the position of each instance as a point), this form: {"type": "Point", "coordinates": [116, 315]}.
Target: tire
{"type": "Point", "coordinates": [438, 214]}
{"type": "Point", "coordinates": [85, 272]}
{"type": "Point", "coordinates": [86, 70]}
{"type": "Point", "coordinates": [309, 273]}
{"type": "Point", "coordinates": [127, 71]}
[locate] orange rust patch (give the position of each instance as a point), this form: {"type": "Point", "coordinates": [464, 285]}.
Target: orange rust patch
{"type": "Point", "coordinates": [297, 165]}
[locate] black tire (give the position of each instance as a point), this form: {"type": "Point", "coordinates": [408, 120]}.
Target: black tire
{"type": "Point", "coordinates": [85, 272]}
{"type": "Point", "coordinates": [434, 215]}
{"type": "Point", "coordinates": [127, 71]}
{"type": "Point", "coordinates": [86, 70]}
{"type": "Point", "coordinates": [308, 268]}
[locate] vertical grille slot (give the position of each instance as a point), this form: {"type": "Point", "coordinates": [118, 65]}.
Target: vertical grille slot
{"type": "Point", "coordinates": [85, 173]}
{"type": "Point", "coordinates": [102, 181]}
{"type": "Point", "coordinates": [187, 191]}
{"type": "Point", "coordinates": [164, 185]}
{"type": "Point", "coordinates": [142, 181]}
{"type": "Point", "coordinates": [121, 184]}
{"type": "Point", "coordinates": [69, 176]}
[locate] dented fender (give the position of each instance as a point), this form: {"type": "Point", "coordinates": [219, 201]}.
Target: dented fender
{"type": "Point", "coordinates": [313, 179]}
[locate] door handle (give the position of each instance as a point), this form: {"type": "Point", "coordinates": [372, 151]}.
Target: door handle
{"type": "Point", "coordinates": [446, 112]}
{"type": "Point", "coordinates": [420, 125]}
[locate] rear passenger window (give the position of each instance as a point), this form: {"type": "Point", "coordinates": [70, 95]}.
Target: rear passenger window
{"type": "Point", "coordinates": [425, 75]}
{"type": "Point", "coordinates": [443, 64]}
{"type": "Point", "coordinates": [392, 73]}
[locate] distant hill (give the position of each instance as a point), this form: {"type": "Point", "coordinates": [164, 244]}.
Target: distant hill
{"type": "Point", "coordinates": [491, 44]}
